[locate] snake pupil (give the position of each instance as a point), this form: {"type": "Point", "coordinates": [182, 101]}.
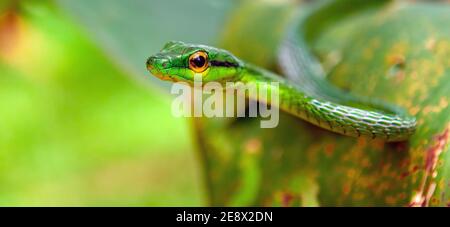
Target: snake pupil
{"type": "Point", "coordinates": [198, 61]}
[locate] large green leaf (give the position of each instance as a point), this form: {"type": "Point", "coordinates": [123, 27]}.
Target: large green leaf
{"type": "Point", "coordinates": [399, 53]}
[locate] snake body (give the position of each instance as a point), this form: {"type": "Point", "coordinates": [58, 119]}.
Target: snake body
{"type": "Point", "coordinates": [304, 92]}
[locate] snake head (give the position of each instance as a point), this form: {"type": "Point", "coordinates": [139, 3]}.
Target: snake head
{"type": "Point", "coordinates": [178, 61]}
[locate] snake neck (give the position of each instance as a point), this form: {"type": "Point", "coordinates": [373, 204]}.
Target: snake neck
{"type": "Point", "coordinates": [289, 97]}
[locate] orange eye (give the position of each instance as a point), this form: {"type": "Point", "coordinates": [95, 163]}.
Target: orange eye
{"type": "Point", "coordinates": [198, 61]}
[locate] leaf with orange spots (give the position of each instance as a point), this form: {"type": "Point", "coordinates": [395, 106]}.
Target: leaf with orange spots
{"type": "Point", "coordinates": [398, 52]}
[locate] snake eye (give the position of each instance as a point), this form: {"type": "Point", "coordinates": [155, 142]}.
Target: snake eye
{"type": "Point", "coordinates": [198, 61]}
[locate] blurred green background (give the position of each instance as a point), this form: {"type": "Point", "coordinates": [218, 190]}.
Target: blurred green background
{"type": "Point", "coordinates": [78, 125]}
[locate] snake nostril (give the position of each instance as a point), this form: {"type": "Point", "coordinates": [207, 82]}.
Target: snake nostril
{"type": "Point", "coordinates": [150, 62]}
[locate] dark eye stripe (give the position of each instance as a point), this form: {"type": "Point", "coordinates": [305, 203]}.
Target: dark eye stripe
{"type": "Point", "coordinates": [223, 64]}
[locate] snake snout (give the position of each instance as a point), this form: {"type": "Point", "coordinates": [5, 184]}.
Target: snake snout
{"type": "Point", "coordinates": [157, 62]}
{"type": "Point", "coordinates": [151, 62]}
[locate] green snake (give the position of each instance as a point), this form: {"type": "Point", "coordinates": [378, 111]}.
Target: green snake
{"type": "Point", "coordinates": [303, 91]}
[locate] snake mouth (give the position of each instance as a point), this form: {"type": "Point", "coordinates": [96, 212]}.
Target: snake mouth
{"type": "Point", "coordinates": [156, 71]}
{"type": "Point", "coordinates": [162, 76]}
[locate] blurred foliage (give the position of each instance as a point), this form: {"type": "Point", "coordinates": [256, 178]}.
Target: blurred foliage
{"type": "Point", "coordinates": [75, 130]}
{"type": "Point", "coordinates": [130, 33]}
